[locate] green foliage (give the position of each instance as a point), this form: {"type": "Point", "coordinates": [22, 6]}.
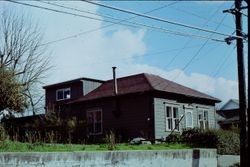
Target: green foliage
{"type": "Point", "coordinates": [3, 134]}
{"type": "Point", "coordinates": [110, 139]}
{"type": "Point", "coordinates": [200, 138]}
{"type": "Point", "coordinates": [228, 142]}
{"type": "Point", "coordinates": [174, 138]}
{"type": "Point", "coordinates": [11, 96]}
{"type": "Point", "coordinates": [235, 165]}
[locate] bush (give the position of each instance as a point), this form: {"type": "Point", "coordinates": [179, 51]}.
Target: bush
{"type": "Point", "coordinates": [200, 138]}
{"type": "Point", "coordinates": [111, 140]}
{"type": "Point", "coordinates": [226, 142]}
{"type": "Point", "coordinates": [174, 138]}
{"type": "Point", "coordinates": [3, 134]}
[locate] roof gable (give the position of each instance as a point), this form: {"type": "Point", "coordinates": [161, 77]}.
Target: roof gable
{"type": "Point", "coordinates": [230, 104]}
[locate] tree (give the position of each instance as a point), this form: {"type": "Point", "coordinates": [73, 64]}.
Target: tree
{"type": "Point", "coordinates": [22, 59]}
{"type": "Point", "coordinates": [10, 92]}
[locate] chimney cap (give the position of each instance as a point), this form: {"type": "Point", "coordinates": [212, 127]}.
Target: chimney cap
{"type": "Point", "coordinates": [114, 67]}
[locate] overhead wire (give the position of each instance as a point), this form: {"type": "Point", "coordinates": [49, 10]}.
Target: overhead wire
{"type": "Point", "coordinates": [148, 54]}
{"type": "Point", "coordinates": [98, 19]}
{"type": "Point", "coordinates": [112, 18]}
{"type": "Point", "coordinates": [223, 63]}
{"type": "Point", "coordinates": [67, 13]}
{"type": "Point", "coordinates": [74, 15]}
{"type": "Point", "coordinates": [192, 58]}
{"type": "Point", "coordinates": [198, 52]}
{"type": "Point", "coordinates": [85, 32]}
{"type": "Point", "coordinates": [102, 15]}
{"type": "Point", "coordinates": [186, 44]}
{"type": "Point", "coordinates": [93, 30]}
{"type": "Point", "coordinates": [143, 25]}
{"type": "Point", "coordinates": [159, 19]}
{"type": "Point", "coordinates": [201, 17]}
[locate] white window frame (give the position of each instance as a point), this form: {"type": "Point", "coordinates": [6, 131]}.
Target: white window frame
{"type": "Point", "coordinates": [171, 118]}
{"type": "Point", "coordinates": [188, 110]}
{"type": "Point", "coordinates": [63, 90]}
{"type": "Point", "coordinates": [203, 119]}
{"type": "Point", "coordinates": [94, 122]}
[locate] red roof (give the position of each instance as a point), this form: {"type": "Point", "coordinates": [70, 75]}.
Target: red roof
{"type": "Point", "coordinates": [142, 83]}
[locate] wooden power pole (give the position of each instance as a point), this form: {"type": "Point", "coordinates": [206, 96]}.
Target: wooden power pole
{"type": "Point", "coordinates": [244, 160]}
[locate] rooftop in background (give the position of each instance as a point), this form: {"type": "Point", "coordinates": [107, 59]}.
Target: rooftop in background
{"type": "Point", "coordinates": [230, 104]}
{"type": "Point", "coordinates": [141, 83]}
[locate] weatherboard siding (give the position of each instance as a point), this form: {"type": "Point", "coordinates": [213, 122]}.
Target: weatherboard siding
{"type": "Point", "coordinates": [160, 117]}
{"type": "Point", "coordinates": [89, 86]}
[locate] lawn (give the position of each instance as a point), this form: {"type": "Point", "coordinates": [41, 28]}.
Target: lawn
{"type": "Point", "coordinates": [14, 146]}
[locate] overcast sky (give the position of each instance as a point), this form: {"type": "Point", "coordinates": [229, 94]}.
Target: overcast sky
{"type": "Point", "coordinates": [203, 64]}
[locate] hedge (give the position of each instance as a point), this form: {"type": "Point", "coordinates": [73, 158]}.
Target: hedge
{"type": "Point", "coordinates": [226, 142]}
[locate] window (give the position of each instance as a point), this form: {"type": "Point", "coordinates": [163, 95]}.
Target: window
{"type": "Point", "coordinates": [62, 94]}
{"type": "Point", "coordinates": [172, 118]}
{"type": "Point", "coordinates": [189, 118]}
{"type": "Point", "coordinates": [94, 121]}
{"type": "Point", "coordinates": [203, 119]}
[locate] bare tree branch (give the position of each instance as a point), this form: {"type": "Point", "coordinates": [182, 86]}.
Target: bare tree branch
{"type": "Point", "coordinates": [21, 51]}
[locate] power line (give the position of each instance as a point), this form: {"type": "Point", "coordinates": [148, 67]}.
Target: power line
{"type": "Point", "coordinates": [207, 20]}
{"type": "Point", "coordinates": [223, 63]}
{"type": "Point", "coordinates": [140, 24]}
{"type": "Point", "coordinates": [73, 36]}
{"type": "Point", "coordinates": [149, 54]}
{"type": "Point", "coordinates": [198, 52]}
{"type": "Point", "coordinates": [201, 17]}
{"type": "Point", "coordinates": [110, 17]}
{"type": "Point", "coordinates": [193, 57]}
{"type": "Point", "coordinates": [125, 20]}
{"type": "Point", "coordinates": [159, 19]}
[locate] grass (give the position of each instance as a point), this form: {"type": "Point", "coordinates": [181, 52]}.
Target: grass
{"type": "Point", "coordinates": [14, 146]}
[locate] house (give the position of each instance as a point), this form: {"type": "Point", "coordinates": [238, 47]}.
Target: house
{"type": "Point", "coordinates": [229, 114]}
{"type": "Point", "coordinates": [138, 105]}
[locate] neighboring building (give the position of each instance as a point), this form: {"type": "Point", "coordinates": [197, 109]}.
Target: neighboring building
{"type": "Point", "coordinates": [228, 115]}
{"type": "Point", "coordinates": [138, 105]}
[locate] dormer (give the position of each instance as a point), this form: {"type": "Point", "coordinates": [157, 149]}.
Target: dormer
{"type": "Point", "coordinates": [63, 92]}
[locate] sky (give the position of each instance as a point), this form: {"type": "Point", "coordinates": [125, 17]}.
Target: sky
{"type": "Point", "coordinates": [203, 64]}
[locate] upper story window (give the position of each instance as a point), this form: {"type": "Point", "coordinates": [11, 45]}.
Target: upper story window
{"type": "Point", "coordinates": [172, 118]}
{"type": "Point", "coordinates": [63, 94]}
{"type": "Point", "coordinates": [203, 119]}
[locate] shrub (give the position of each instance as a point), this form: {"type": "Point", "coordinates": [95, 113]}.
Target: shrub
{"type": "Point", "coordinates": [235, 165]}
{"type": "Point", "coordinates": [200, 138]}
{"type": "Point", "coordinates": [228, 142]}
{"type": "Point", "coordinates": [111, 140]}
{"type": "Point", "coordinates": [3, 134]}
{"type": "Point", "coordinates": [174, 138]}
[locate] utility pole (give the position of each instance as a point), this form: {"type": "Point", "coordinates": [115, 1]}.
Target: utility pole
{"type": "Point", "coordinates": [244, 162]}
